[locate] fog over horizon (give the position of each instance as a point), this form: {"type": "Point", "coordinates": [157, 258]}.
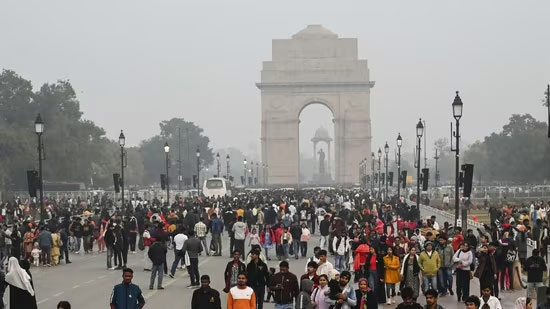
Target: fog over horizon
{"type": "Point", "coordinates": [134, 64]}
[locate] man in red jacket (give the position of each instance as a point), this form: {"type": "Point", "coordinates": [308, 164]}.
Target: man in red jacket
{"type": "Point", "coordinates": [457, 239]}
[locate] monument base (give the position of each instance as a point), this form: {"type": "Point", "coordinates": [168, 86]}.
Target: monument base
{"type": "Point", "coordinates": [322, 179]}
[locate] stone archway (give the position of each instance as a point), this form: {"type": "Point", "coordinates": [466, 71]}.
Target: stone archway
{"type": "Point", "coordinates": [315, 66]}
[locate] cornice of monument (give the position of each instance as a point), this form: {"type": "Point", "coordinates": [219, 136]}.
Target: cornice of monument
{"type": "Point", "coordinates": [368, 84]}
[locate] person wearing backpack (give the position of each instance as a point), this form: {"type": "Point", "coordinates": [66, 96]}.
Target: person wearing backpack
{"type": "Point", "coordinates": [340, 245]}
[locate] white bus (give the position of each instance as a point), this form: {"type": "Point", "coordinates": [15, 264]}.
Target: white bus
{"type": "Point", "coordinates": [214, 187]}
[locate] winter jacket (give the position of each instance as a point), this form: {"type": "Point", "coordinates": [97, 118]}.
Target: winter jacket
{"type": "Point", "coordinates": [303, 301]}
{"type": "Point", "coordinates": [392, 266]}
{"type": "Point", "coordinates": [324, 227]}
{"type": "Point", "coordinates": [192, 247]}
{"type": "Point", "coordinates": [285, 287]}
{"type": "Point", "coordinates": [127, 296]}
{"type": "Point", "coordinates": [216, 226]}
{"type": "Point", "coordinates": [157, 253]}
{"type": "Point", "coordinates": [227, 273]}
{"type": "Point", "coordinates": [535, 266]}
{"type": "Point", "coordinates": [258, 275]}
{"type": "Point", "coordinates": [463, 259]}
{"type": "Point", "coordinates": [429, 263]}
{"type": "Point", "coordinates": [446, 255]}
{"type": "Point", "coordinates": [206, 298]}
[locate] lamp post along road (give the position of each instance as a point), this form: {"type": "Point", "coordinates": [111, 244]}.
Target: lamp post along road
{"type": "Point", "coordinates": [167, 151]}
{"type": "Point", "coordinates": [457, 114]}
{"type": "Point", "coordinates": [227, 167]}
{"type": "Point", "coordinates": [245, 170]}
{"type": "Point", "coordinates": [372, 179]}
{"type": "Point", "coordinates": [379, 173]}
{"type": "Point", "coordinates": [218, 160]}
{"type": "Point", "coordinates": [386, 150]}
{"type": "Point", "coordinates": [399, 143]}
{"type": "Point", "coordinates": [122, 142]}
{"type": "Point", "coordinates": [39, 129]}
{"type": "Point", "coordinates": [419, 133]}
{"type": "Point", "coordinates": [198, 154]}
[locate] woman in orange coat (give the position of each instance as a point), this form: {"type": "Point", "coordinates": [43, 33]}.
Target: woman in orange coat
{"type": "Point", "coordinates": [360, 259]}
{"type": "Point", "coordinates": [391, 274]}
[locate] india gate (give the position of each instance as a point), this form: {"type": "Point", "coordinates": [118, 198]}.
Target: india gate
{"type": "Point", "coordinates": [315, 66]}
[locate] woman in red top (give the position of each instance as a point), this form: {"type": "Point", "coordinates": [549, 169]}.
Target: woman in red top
{"type": "Point", "coordinates": [360, 258]}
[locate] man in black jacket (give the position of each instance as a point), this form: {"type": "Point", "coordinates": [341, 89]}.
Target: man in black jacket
{"type": "Point", "coordinates": [535, 267]}
{"type": "Point", "coordinates": [232, 271]}
{"type": "Point", "coordinates": [324, 228]}
{"type": "Point", "coordinates": [258, 277]}
{"type": "Point", "coordinates": [285, 286]}
{"type": "Point", "coordinates": [157, 254]}
{"type": "Point", "coordinates": [206, 297]}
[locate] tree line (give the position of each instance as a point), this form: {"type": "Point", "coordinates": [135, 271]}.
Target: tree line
{"type": "Point", "coordinates": [76, 149]}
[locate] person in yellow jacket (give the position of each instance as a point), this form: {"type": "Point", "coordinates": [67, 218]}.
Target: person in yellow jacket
{"type": "Point", "coordinates": [430, 263]}
{"type": "Point", "coordinates": [391, 274]}
{"type": "Point", "coordinates": [241, 296]}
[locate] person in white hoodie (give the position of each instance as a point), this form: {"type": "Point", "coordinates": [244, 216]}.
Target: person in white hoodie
{"type": "Point", "coordinates": [340, 245]}
{"type": "Point", "coordinates": [463, 258]}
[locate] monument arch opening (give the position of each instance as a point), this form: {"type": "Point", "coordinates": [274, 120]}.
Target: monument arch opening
{"type": "Point", "coordinates": [316, 143]}
{"type": "Point", "coordinates": [314, 66]}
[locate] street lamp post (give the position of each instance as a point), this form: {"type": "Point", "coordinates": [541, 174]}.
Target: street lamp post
{"type": "Point", "coordinates": [227, 161]}
{"type": "Point", "coordinates": [198, 154]}
{"type": "Point", "coordinates": [386, 150]}
{"type": "Point", "coordinates": [39, 129]}
{"type": "Point", "coordinates": [122, 142]}
{"type": "Point", "coordinates": [257, 172]}
{"type": "Point", "coordinates": [399, 143]}
{"type": "Point", "coordinates": [372, 178]}
{"type": "Point", "coordinates": [457, 114]}
{"type": "Point", "coordinates": [266, 175]}
{"type": "Point", "coordinates": [167, 151]}
{"type": "Point", "coordinates": [252, 172]}
{"type": "Point", "coordinates": [218, 160]}
{"type": "Point", "coordinates": [419, 133]}
{"type": "Point", "coordinates": [379, 173]}
{"type": "Point", "coordinates": [245, 170]}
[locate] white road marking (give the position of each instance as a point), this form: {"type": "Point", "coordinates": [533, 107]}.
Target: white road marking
{"type": "Point", "coordinates": [58, 294]}
{"type": "Point", "coordinates": [76, 286]}
{"type": "Point", "coordinates": [43, 301]}
{"type": "Point", "coordinates": [89, 281]}
{"type": "Point", "coordinates": [152, 293]}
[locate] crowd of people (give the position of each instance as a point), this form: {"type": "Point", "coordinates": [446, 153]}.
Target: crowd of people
{"type": "Point", "coordinates": [385, 249]}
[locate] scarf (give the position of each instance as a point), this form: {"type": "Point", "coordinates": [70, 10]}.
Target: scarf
{"type": "Point", "coordinates": [18, 277]}
{"type": "Point", "coordinates": [363, 301]}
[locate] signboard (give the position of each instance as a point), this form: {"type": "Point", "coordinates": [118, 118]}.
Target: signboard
{"type": "Point", "coordinates": [459, 222]}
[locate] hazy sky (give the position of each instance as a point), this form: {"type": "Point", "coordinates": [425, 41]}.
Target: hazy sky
{"type": "Point", "coordinates": [136, 63]}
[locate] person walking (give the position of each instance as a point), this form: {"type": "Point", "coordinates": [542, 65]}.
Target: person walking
{"type": "Point", "coordinates": [324, 229]}
{"type": "Point", "coordinates": [535, 266]}
{"type": "Point", "coordinates": [205, 297]}
{"type": "Point", "coordinates": [258, 277]}
{"type": "Point", "coordinates": [193, 248]}
{"type": "Point", "coordinates": [391, 274]}
{"type": "Point", "coordinates": [445, 273]}
{"type": "Point", "coordinates": [431, 300]}
{"type": "Point", "coordinates": [429, 262]}
{"type": "Point", "coordinates": [127, 295]}
{"type": "Point", "coordinates": [201, 231]}
{"type": "Point", "coordinates": [365, 297]}
{"type": "Point", "coordinates": [19, 279]}
{"type": "Point", "coordinates": [232, 271]}
{"type": "Point", "coordinates": [463, 259]}
{"type": "Point", "coordinates": [239, 231]}
{"type": "Point", "coordinates": [409, 272]}
{"type": "Point", "coordinates": [486, 298]}
{"type": "Point", "coordinates": [296, 232]}
{"type": "Point", "coordinates": [157, 254]}
{"type": "Point", "coordinates": [340, 246]}
{"type": "Point", "coordinates": [45, 243]}
{"type": "Point", "coordinates": [267, 239]}
{"type": "Point", "coordinates": [284, 284]}
{"type": "Point", "coordinates": [216, 228]}
{"type": "Point", "coordinates": [304, 238]}
{"type": "Point", "coordinates": [320, 293]}
{"type": "Point", "coordinates": [486, 270]}
{"type": "Point", "coordinates": [148, 240]}
{"type": "Point", "coordinates": [179, 241]}
{"type": "Point", "coordinates": [241, 296]}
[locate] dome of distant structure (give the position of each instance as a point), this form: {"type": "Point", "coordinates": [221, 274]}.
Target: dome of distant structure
{"type": "Point", "coordinates": [321, 134]}
{"type": "Point", "coordinates": [315, 32]}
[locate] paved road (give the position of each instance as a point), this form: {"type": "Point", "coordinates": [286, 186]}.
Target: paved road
{"type": "Point", "coordinates": [86, 283]}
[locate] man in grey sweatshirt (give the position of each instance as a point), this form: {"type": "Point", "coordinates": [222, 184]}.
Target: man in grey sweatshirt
{"type": "Point", "coordinates": [193, 247]}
